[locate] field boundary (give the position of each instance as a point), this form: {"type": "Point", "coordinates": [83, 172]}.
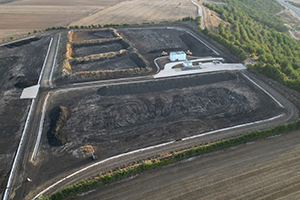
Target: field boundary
{"type": "Point", "coordinates": [168, 158]}
{"type": "Point", "coordinates": [19, 40]}
{"type": "Point", "coordinates": [54, 61]}
{"type": "Point", "coordinates": [11, 175]}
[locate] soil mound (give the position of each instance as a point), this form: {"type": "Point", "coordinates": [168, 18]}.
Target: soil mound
{"type": "Point", "coordinates": [56, 135]}
{"type": "Point", "coordinates": [25, 84]}
{"type": "Point", "coordinates": [21, 43]}
{"type": "Point", "coordinates": [167, 84]}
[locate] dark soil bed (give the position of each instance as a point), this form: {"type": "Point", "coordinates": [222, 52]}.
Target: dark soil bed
{"type": "Point", "coordinates": [119, 119]}
{"type": "Point", "coordinates": [151, 42]}
{"type": "Point", "coordinates": [123, 62]}
{"type": "Point", "coordinates": [82, 50]}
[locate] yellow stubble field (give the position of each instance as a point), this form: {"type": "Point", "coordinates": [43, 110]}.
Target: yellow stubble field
{"type": "Point", "coordinates": [27, 15]}
{"type": "Point", "coordinates": [137, 11]}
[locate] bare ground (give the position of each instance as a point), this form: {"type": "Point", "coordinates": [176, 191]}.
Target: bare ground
{"type": "Point", "coordinates": [89, 49]}
{"type": "Point", "coordinates": [137, 11]}
{"type": "Point", "coordinates": [211, 19]}
{"type": "Point", "coordinates": [123, 62]}
{"type": "Point", "coordinates": [124, 118]}
{"type": "Point", "coordinates": [266, 169]}
{"type": "Point", "coordinates": [150, 42]}
{"type": "Point", "coordinates": [26, 15]}
{"type": "Point", "coordinates": [20, 63]}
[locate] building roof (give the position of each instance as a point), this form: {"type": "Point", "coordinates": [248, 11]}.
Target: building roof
{"type": "Point", "coordinates": [177, 52]}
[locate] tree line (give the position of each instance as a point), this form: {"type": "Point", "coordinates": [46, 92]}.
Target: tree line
{"type": "Point", "coordinates": [251, 28]}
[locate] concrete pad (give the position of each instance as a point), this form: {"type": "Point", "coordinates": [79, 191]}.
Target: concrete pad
{"type": "Point", "coordinates": [205, 67]}
{"type": "Point", "coordinates": [30, 92]}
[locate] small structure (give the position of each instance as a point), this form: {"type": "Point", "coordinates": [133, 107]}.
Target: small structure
{"type": "Point", "coordinates": [87, 151]}
{"type": "Point", "coordinates": [163, 53]}
{"type": "Point", "coordinates": [187, 64]}
{"type": "Point", "coordinates": [188, 52]}
{"type": "Point", "coordinates": [30, 92]}
{"type": "Point", "coordinates": [179, 55]}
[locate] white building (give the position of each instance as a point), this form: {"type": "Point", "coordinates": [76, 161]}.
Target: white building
{"type": "Point", "coordinates": [179, 55]}
{"type": "Point", "coordinates": [187, 64]}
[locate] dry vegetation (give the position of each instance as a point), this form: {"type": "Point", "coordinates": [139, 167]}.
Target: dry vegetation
{"type": "Point", "coordinates": [137, 11]}
{"type": "Point", "coordinates": [26, 15]}
{"type": "Point", "coordinates": [289, 17]}
{"type": "Point", "coordinates": [211, 19]}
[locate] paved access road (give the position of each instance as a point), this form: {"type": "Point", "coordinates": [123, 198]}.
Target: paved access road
{"type": "Point", "coordinates": [18, 176]}
{"type": "Point", "coordinates": [265, 169]}
{"type": "Point", "coordinates": [291, 7]}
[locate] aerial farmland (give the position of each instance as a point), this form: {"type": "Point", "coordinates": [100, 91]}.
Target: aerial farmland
{"type": "Point", "coordinates": [102, 92]}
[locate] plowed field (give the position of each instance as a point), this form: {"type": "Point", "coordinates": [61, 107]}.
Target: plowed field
{"type": "Point", "coordinates": [267, 169]}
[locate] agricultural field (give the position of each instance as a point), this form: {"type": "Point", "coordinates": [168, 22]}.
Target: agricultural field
{"type": "Point", "coordinates": [296, 1]}
{"type": "Point", "coordinates": [21, 17]}
{"type": "Point", "coordinates": [138, 11]}
{"type": "Point", "coordinates": [266, 169]}
{"type": "Point", "coordinates": [117, 119]}
{"type": "Point", "coordinates": [20, 66]}
{"type": "Point", "coordinates": [26, 15]}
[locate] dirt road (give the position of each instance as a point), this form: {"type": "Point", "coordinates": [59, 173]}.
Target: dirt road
{"type": "Point", "coordinates": [267, 169]}
{"type": "Point", "coordinates": [36, 115]}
